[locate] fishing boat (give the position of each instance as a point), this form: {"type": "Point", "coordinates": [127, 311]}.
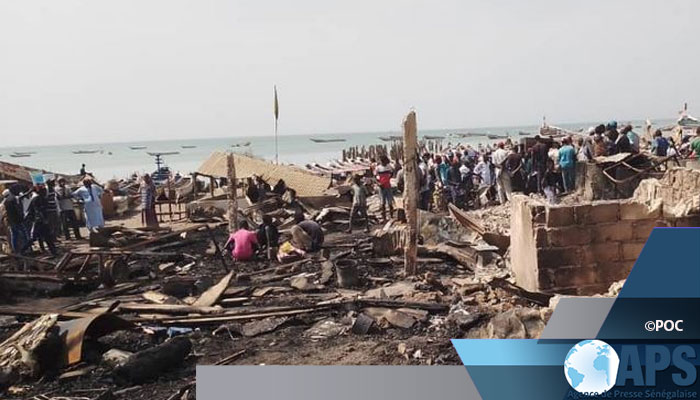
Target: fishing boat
{"type": "Point", "coordinates": [521, 133]}
{"type": "Point", "coordinates": [390, 138]}
{"type": "Point", "coordinates": [428, 137]}
{"type": "Point", "coordinates": [85, 151]}
{"type": "Point", "coordinates": [184, 146]}
{"type": "Point", "coordinates": [165, 153]}
{"type": "Point", "coordinates": [15, 155]}
{"type": "Point", "coordinates": [494, 137]}
{"type": "Point", "coordinates": [326, 140]}
{"type": "Point", "coordinates": [24, 152]}
{"type": "Point", "coordinates": [244, 144]}
{"type": "Point", "coordinates": [137, 147]}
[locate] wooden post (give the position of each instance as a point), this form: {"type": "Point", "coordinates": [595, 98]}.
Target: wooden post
{"type": "Point", "coordinates": [232, 197]}
{"type": "Point", "coordinates": [410, 165]}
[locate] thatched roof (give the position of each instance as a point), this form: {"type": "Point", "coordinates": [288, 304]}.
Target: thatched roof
{"type": "Point", "coordinates": [305, 183]}
{"type": "Point", "coordinates": [23, 174]}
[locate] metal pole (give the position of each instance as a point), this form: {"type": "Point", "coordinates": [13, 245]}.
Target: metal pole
{"type": "Point", "coordinates": [276, 147]}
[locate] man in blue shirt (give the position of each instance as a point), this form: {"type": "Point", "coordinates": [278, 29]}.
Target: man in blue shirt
{"type": "Point", "coordinates": [567, 163]}
{"type": "Point", "coordinates": [659, 146]}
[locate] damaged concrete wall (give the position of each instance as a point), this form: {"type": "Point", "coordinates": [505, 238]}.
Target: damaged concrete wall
{"type": "Point", "coordinates": [582, 249]}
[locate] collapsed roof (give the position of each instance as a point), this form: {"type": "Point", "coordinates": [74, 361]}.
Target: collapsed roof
{"type": "Point", "coordinates": [305, 183]}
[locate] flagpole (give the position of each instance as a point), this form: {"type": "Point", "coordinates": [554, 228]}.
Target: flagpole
{"type": "Point", "coordinates": [277, 115]}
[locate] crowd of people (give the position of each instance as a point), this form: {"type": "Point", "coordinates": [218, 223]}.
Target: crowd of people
{"type": "Point", "coordinates": [472, 176]}
{"type": "Point", "coordinates": [44, 211]}
{"type": "Point", "coordinates": [41, 213]}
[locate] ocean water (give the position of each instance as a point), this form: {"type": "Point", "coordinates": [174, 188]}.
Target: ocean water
{"type": "Point", "coordinates": [117, 160]}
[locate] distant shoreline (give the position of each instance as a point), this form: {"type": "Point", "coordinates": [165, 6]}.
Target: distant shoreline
{"type": "Point", "coordinates": [380, 132]}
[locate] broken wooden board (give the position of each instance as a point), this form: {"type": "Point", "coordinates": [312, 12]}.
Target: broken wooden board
{"type": "Point", "coordinates": [160, 298]}
{"type": "Point", "coordinates": [465, 220]}
{"type": "Point", "coordinates": [398, 289]}
{"type": "Point", "coordinates": [401, 317]}
{"type": "Point", "coordinates": [212, 295]}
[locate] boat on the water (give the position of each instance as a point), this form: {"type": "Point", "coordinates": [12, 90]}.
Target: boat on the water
{"type": "Point", "coordinates": [24, 152]}
{"type": "Point", "coordinates": [428, 137]}
{"type": "Point", "coordinates": [85, 151]}
{"type": "Point", "coordinates": [494, 137]}
{"type": "Point", "coordinates": [521, 133]}
{"type": "Point", "coordinates": [184, 146]}
{"type": "Point", "coordinates": [326, 140]}
{"type": "Point", "coordinates": [244, 144]}
{"type": "Point", "coordinates": [390, 138]}
{"type": "Point", "coordinates": [16, 155]}
{"type": "Point", "coordinates": [137, 147]}
{"type": "Point", "coordinates": [165, 153]}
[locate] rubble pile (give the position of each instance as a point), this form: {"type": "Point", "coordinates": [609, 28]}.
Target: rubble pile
{"type": "Point", "coordinates": [178, 303]}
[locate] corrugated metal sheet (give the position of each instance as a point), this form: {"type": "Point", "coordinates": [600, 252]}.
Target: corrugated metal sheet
{"type": "Point", "coordinates": [305, 183]}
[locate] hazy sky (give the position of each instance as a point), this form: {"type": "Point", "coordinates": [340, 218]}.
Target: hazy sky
{"type": "Point", "coordinates": [120, 70]}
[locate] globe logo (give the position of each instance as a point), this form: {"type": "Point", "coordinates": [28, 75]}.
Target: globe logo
{"type": "Point", "coordinates": [591, 367]}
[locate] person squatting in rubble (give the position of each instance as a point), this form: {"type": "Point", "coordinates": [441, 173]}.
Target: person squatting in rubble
{"type": "Point", "coordinates": [384, 173]}
{"type": "Point", "coordinates": [37, 217]}
{"type": "Point", "coordinates": [91, 196]}
{"type": "Point", "coordinates": [307, 235]}
{"type": "Point", "coordinates": [19, 240]}
{"type": "Point", "coordinates": [242, 243]}
{"type": "Point", "coordinates": [359, 202]}
{"type": "Point", "coordinates": [65, 206]}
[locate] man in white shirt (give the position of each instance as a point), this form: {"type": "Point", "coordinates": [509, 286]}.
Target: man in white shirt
{"type": "Point", "coordinates": [502, 176]}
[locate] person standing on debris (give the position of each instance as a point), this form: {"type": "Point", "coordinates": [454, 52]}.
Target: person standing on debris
{"type": "Point", "coordinates": [65, 207]}
{"type": "Point", "coordinates": [585, 152]}
{"type": "Point", "coordinates": [90, 194]}
{"type": "Point", "coordinates": [19, 240]}
{"type": "Point", "coordinates": [268, 236]}
{"type": "Point", "coordinates": [442, 168]}
{"type": "Point", "coordinates": [307, 235]}
{"type": "Point", "coordinates": [513, 166]}
{"type": "Point", "coordinates": [540, 155]}
{"type": "Point", "coordinates": [425, 182]}
{"type": "Point", "coordinates": [359, 203]}
{"type": "Point", "coordinates": [82, 171]}
{"type": "Point", "coordinates": [659, 146]}
{"type": "Point", "coordinates": [567, 163]}
{"type": "Point", "coordinates": [243, 242]}
{"type": "Point", "coordinates": [38, 218]}
{"type": "Point", "coordinates": [54, 218]}
{"type": "Point", "coordinates": [147, 190]}
{"type": "Point", "coordinates": [384, 173]}
{"type": "Point", "coordinates": [502, 176]}
{"type": "Point", "coordinates": [632, 138]}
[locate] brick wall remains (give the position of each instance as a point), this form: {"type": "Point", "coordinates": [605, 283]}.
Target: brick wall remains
{"type": "Point", "coordinates": [584, 248]}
